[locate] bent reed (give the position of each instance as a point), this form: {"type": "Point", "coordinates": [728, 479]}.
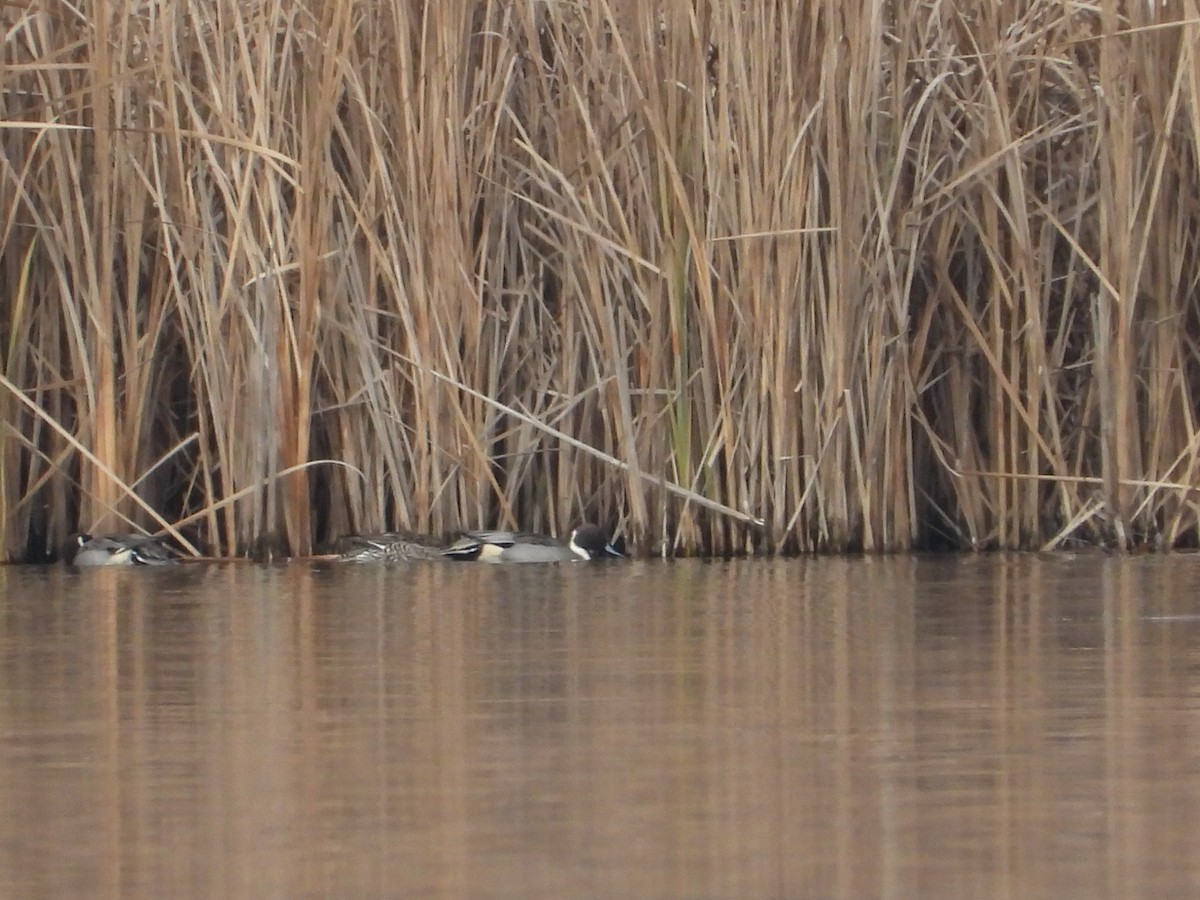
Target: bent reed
{"type": "Point", "coordinates": [740, 277]}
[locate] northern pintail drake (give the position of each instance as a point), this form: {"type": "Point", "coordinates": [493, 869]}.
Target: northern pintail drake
{"type": "Point", "coordinates": [118, 550]}
{"type": "Point", "coordinates": [587, 542]}
{"type": "Point", "coordinates": [389, 546]}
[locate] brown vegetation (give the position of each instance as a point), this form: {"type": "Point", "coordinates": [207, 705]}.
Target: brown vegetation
{"type": "Point", "coordinates": [878, 275]}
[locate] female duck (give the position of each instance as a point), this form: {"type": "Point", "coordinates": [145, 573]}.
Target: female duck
{"type": "Point", "coordinates": [587, 542]}
{"type": "Point", "coordinates": [390, 546]}
{"type": "Point", "coordinates": [117, 550]}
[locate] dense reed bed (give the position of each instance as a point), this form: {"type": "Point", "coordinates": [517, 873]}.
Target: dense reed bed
{"type": "Point", "coordinates": [730, 276]}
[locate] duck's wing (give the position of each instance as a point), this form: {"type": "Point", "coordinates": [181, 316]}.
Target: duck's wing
{"type": "Point", "coordinates": [151, 552]}
{"type": "Point", "coordinates": [471, 545]}
{"type": "Point", "coordinates": [486, 544]}
{"type": "Point", "coordinates": [495, 538]}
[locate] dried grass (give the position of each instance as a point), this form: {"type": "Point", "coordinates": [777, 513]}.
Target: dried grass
{"type": "Point", "coordinates": [735, 277]}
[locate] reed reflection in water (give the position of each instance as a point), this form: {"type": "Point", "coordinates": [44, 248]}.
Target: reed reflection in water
{"type": "Point", "coordinates": [1002, 726]}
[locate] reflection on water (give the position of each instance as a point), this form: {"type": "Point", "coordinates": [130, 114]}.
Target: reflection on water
{"type": "Point", "coordinates": [1000, 726]}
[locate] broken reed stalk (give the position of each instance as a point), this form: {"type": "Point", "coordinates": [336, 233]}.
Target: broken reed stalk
{"type": "Point", "coordinates": [874, 277]}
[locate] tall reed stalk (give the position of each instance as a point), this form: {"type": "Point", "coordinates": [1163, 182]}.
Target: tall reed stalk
{"type": "Point", "coordinates": [732, 277]}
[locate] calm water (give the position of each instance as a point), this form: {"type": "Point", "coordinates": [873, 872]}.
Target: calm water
{"type": "Point", "coordinates": [998, 726]}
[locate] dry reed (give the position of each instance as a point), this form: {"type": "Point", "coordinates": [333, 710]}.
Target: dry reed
{"type": "Point", "coordinates": [734, 277]}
